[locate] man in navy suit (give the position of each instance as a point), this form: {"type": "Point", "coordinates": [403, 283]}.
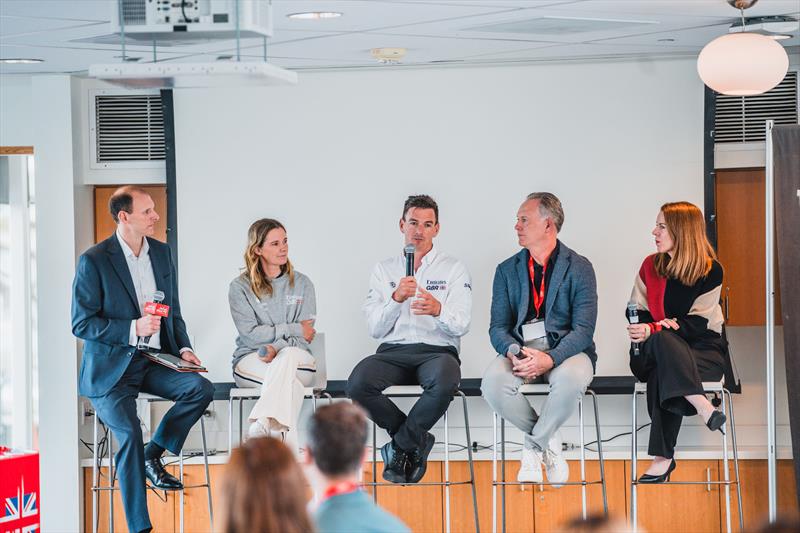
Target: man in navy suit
{"type": "Point", "coordinates": [113, 281]}
{"type": "Point", "coordinates": [544, 300]}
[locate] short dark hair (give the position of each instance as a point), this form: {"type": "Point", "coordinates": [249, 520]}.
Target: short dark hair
{"type": "Point", "coordinates": [421, 201]}
{"type": "Point", "coordinates": [337, 436]}
{"type": "Point", "coordinates": [122, 200]}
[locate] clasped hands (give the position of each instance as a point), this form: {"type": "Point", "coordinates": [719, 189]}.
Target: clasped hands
{"type": "Point", "coordinates": [641, 332]}
{"type": "Point", "coordinates": [308, 334]}
{"type": "Point", "coordinates": [534, 363]}
{"type": "Point", "coordinates": [423, 304]}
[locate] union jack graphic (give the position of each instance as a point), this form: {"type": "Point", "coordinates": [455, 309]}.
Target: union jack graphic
{"type": "Point", "coordinates": [23, 505]}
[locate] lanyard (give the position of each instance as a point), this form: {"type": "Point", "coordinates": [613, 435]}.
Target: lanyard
{"type": "Point", "coordinates": [538, 295]}
{"type": "Point", "coordinates": [345, 487]}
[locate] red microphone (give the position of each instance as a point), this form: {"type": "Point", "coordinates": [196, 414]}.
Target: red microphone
{"type": "Point", "coordinates": [153, 308]}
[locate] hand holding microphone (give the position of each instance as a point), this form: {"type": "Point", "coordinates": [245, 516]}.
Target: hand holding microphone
{"type": "Point", "coordinates": [633, 318]}
{"type": "Point", "coordinates": [514, 350]}
{"type": "Point", "coordinates": [407, 287]}
{"type": "Point", "coordinates": [150, 323]}
{"type": "Point", "coordinates": [267, 353]}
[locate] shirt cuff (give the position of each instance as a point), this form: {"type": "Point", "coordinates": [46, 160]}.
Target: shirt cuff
{"type": "Point", "coordinates": [185, 349]}
{"type": "Point", "coordinates": [133, 340]}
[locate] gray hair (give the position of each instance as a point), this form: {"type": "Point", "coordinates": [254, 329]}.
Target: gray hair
{"type": "Point", "coordinates": [549, 207]}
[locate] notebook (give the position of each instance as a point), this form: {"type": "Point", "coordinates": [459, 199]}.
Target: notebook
{"type": "Point", "coordinates": [174, 362]}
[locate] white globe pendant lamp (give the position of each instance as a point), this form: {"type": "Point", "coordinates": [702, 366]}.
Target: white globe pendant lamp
{"type": "Point", "coordinates": [742, 64]}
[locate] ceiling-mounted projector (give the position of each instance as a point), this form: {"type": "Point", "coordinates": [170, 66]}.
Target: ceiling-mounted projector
{"type": "Point", "coordinates": [178, 22]}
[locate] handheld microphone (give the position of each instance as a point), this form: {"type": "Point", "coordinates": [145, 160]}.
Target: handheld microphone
{"type": "Point", "coordinates": [409, 253]}
{"type": "Point", "coordinates": [633, 318]}
{"type": "Point", "coordinates": [262, 352]}
{"type": "Point", "coordinates": [154, 307]}
{"type": "Point", "coordinates": [514, 350]}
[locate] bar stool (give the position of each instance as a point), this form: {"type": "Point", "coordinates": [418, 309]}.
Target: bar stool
{"type": "Point", "coordinates": [315, 391]}
{"type": "Point", "coordinates": [415, 391]}
{"type": "Point", "coordinates": [715, 387]}
{"type": "Point", "coordinates": [111, 487]}
{"type": "Point", "coordinates": [542, 389]}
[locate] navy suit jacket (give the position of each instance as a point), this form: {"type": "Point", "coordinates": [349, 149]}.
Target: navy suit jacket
{"type": "Point", "coordinates": [103, 305]}
{"type": "Point", "coordinates": [570, 306]}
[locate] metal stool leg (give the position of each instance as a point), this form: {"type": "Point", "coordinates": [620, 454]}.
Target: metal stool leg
{"type": "Point", "coordinates": [494, 473]}
{"type": "Point", "coordinates": [583, 456]}
{"type": "Point", "coordinates": [470, 462]}
{"type": "Point", "coordinates": [735, 447]}
{"type": "Point", "coordinates": [375, 462]}
{"type": "Point", "coordinates": [111, 475]}
{"type": "Point", "coordinates": [208, 475]}
{"type": "Point", "coordinates": [95, 479]}
{"type": "Point", "coordinates": [503, 471]}
{"type": "Point", "coordinates": [182, 491]}
{"type": "Point", "coordinates": [633, 461]}
{"type": "Point", "coordinates": [725, 469]}
{"type": "Point", "coordinates": [446, 474]}
{"type": "Point", "coordinates": [230, 426]}
{"type": "Point", "coordinates": [599, 437]}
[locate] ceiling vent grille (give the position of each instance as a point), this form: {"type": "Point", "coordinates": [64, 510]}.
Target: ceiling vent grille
{"type": "Point", "coordinates": [741, 119]}
{"type": "Point", "coordinates": [128, 128]}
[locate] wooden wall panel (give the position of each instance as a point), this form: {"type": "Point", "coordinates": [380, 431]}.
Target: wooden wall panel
{"type": "Point", "coordinates": [755, 495]}
{"type": "Point", "coordinates": [741, 245]}
{"type": "Point", "coordinates": [104, 225]}
{"type": "Point", "coordinates": [421, 508]}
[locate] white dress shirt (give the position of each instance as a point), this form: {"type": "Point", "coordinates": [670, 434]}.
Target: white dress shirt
{"type": "Point", "coordinates": [144, 282]}
{"type": "Point", "coordinates": [445, 277]}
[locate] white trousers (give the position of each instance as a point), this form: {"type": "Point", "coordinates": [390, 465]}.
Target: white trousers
{"type": "Point", "coordinates": [282, 383]}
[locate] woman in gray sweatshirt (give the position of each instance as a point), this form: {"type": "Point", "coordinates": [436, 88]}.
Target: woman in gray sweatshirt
{"type": "Point", "coordinates": [273, 307]}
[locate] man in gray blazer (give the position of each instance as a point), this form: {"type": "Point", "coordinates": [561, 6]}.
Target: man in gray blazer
{"type": "Point", "coordinates": [544, 306]}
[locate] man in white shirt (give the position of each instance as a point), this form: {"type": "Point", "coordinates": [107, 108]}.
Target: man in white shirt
{"type": "Point", "coordinates": [419, 320]}
{"type": "Point", "coordinates": [113, 280]}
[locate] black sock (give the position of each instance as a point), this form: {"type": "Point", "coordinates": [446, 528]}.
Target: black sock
{"type": "Point", "coordinates": [152, 451]}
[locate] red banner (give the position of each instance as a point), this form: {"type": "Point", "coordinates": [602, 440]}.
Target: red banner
{"type": "Point", "coordinates": [19, 491]}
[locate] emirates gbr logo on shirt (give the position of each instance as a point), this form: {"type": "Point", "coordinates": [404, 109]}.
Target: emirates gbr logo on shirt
{"type": "Point", "coordinates": [435, 285]}
{"type": "Point", "coordinates": [293, 299]}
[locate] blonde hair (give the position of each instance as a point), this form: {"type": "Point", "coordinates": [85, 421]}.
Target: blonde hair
{"type": "Point", "coordinates": [263, 489]}
{"type": "Point", "coordinates": [253, 271]}
{"type": "Point", "coordinates": [692, 254]}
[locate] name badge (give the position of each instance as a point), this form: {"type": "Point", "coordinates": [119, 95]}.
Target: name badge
{"type": "Point", "coordinates": [533, 330]}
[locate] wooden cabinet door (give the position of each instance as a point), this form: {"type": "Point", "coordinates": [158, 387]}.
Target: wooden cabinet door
{"type": "Point", "coordinates": [679, 508]}
{"type": "Point", "coordinates": [421, 508]}
{"type": "Point", "coordinates": [755, 495]}
{"type": "Point", "coordinates": [741, 238]}
{"type": "Point", "coordinates": [104, 225]}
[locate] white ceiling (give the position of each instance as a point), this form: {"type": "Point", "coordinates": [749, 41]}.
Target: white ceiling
{"type": "Point", "coordinates": [433, 31]}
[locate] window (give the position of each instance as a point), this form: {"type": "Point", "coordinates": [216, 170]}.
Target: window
{"type": "Point", "coordinates": [18, 362]}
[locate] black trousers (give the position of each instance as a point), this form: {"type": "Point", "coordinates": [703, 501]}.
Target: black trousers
{"type": "Point", "coordinates": [436, 368]}
{"type": "Point", "coordinates": [672, 369]}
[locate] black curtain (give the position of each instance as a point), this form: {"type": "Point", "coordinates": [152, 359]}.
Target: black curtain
{"type": "Point", "coordinates": [786, 159]}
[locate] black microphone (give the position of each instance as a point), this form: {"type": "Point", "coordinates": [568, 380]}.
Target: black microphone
{"type": "Point", "coordinates": [409, 253]}
{"type": "Point", "coordinates": [633, 317]}
{"type": "Point", "coordinates": [158, 297]}
{"type": "Point", "coordinates": [514, 350]}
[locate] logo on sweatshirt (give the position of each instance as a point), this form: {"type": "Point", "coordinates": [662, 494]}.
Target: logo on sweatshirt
{"type": "Point", "coordinates": [294, 299]}
{"type": "Point", "coordinates": [435, 285]}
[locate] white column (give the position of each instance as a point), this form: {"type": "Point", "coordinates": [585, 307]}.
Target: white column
{"type": "Point", "coordinates": [58, 362]}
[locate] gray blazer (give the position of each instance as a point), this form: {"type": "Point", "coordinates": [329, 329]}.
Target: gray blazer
{"type": "Point", "coordinates": [570, 306]}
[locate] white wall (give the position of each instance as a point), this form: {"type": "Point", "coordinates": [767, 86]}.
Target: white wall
{"type": "Point", "coordinates": [16, 111]}
{"type": "Point", "coordinates": [335, 157]}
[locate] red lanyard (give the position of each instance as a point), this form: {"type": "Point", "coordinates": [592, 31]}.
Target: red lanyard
{"type": "Point", "coordinates": [344, 487]}
{"type": "Point", "coordinates": [538, 296]}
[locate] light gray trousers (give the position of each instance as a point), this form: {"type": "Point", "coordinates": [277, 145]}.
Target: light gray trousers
{"type": "Point", "coordinates": [568, 382]}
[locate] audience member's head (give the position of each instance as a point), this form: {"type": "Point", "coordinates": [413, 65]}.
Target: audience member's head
{"type": "Point", "coordinates": [783, 524]}
{"type": "Point", "coordinates": [595, 523]}
{"type": "Point", "coordinates": [337, 436]}
{"type": "Point", "coordinates": [263, 489]}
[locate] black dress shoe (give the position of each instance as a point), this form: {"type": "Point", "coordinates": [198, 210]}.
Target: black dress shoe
{"type": "Point", "coordinates": [418, 460]}
{"type": "Point", "coordinates": [159, 477]}
{"type": "Point", "coordinates": [394, 463]}
{"type": "Point", "coordinates": [716, 421]}
{"type": "Point", "coordinates": [649, 479]}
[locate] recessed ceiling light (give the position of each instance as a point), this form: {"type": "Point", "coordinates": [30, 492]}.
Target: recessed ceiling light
{"type": "Point", "coordinates": [780, 36]}
{"type": "Point", "coordinates": [667, 40]}
{"type": "Point", "coordinates": [314, 15]}
{"type": "Point", "coordinates": [20, 60]}
{"type": "Point", "coordinates": [388, 55]}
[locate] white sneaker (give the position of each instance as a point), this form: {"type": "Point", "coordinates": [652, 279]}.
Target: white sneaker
{"type": "Point", "coordinates": [257, 429]}
{"type": "Point", "coordinates": [554, 462]}
{"type": "Point", "coordinates": [530, 470]}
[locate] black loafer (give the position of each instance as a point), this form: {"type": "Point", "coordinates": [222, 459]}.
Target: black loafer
{"type": "Point", "coordinates": [159, 477]}
{"type": "Point", "coordinates": [716, 421]}
{"type": "Point", "coordinates": [394, 463]}
{"type": "Point", "coordinates": [418, 460]}
{"type": "Point", "coordinates": [650, 479]}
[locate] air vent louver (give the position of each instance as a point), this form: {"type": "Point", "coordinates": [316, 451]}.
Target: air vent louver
{"type": "Point", "coordinates": [134, 12]}
{"type": "Point", "coordinates": [741, 119]}
{"type": "Point", "coordinates": [129, 128]}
